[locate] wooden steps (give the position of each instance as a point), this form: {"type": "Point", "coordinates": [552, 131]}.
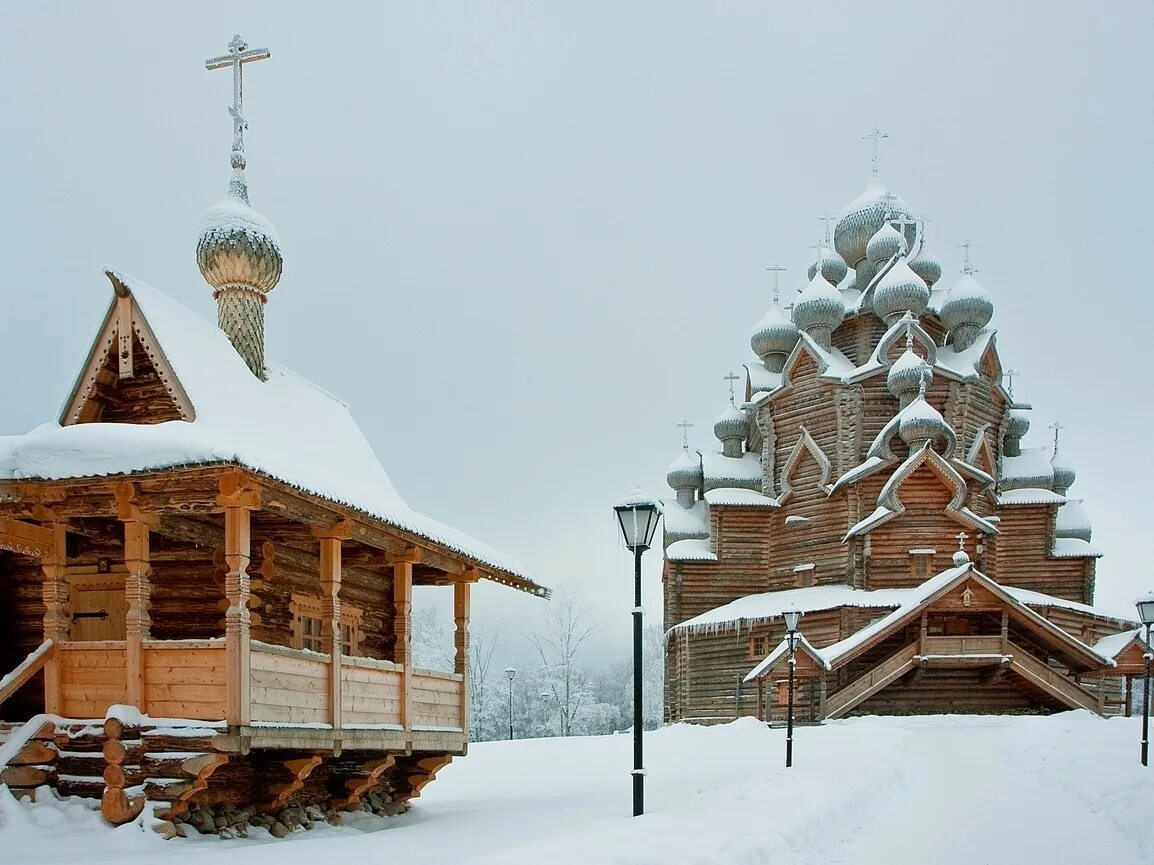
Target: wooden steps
{"type": "Point", "coordinates": [893, 668]}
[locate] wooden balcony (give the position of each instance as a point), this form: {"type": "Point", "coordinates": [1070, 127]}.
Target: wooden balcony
{"type": "Point", "coordinates": [291, 695]}
{"type": "Point", "coordinates": [954, 652]}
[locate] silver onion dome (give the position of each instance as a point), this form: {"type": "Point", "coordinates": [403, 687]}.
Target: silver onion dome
{"type": "Point", "coordinates": [774, 334]}
{"type": "Point", "coordinates": [819, 309]}
{"type": "Point", "coordinates": [898, 292]}
{"type": "Point", "coordinates": [885, 244]}
{"type": "Point", "coordinates": [861, 219]}
{"type": "Point", "coordinates": [236, 245]}
{"type": "Point", "coordinates": [684, 472]}
{"type": "Point", "coordinates": [833, 268]}
{"type": "Point", "coordinates": [1071, 521]}
{"type": "Point", "coordinates": [967, 309]}
{"type": "Point", "coordinates": [921, 422]}
{"type": "Point", "coordinates": [1017, 423]}
{"type": "Point", "coordinates": [1064, 474]}
{"type": "Point", "coordinates": [905, 376]}
{"type": "Point", "coordinates": [927, 267]}
{"type": "Point", "coordinates": [730, 424]}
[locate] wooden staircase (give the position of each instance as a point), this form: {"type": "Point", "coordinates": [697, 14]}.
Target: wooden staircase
{"type": "Point", "coordinates": [1050, 681]}
{"type": "Point", "coordinates": [893, 668]}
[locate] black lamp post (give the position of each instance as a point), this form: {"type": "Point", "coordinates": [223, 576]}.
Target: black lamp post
{"type": "Point", "coordinates": [544, 713]}
{"type": "Point", "coordinates": [1145, 606]}
{"type": "Point", "coordinates": [792, 617]}
{"type": "Point", "coordinates": [638, 516]}
{"type": "Point", "coordinates": [512, 674]}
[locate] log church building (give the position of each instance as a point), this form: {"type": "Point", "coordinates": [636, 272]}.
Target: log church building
{"type": "Point", "coordinates": [874, 478]}
{"type": "Point", "coordinates": [206, 575]}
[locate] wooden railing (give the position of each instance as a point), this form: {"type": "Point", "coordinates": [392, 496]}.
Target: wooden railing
{"type": "Point", "coordinates": [983, 645]}
{"type": "Point", "coordinates": [877, 678]}
{"type": "Point", "coordinates": [29, 667]}
{"type": "Point", "coordinates": [370, 693]}
{"type": "Point", "coordinates": [1051, 681]}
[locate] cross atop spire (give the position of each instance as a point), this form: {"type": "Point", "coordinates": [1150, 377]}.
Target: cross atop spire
{"type": "Point", "coordinates": [820, 246]}
{"type": "Point", "coordinates": [875, 136]}
{"type": "Point", "coordinates": [685, 426]}
{"type": "Point", "coordinates": [1009, 374]}
{"type": "Point", "coordinates": [961, 536]}
{"type": "Point", "coordinates": [238, 54]}
{"type": "Point", "coordinates": [922, 382]}
{"type": "Point", "coordinates": [1056, 426]}
{"type": "Point", "coordinates": [966, 246]}
{"type": "Point", "coordinates": [777, 270]}
{"type": "Point", "coordinates": [731, 378]}
{"type": "Point", "coordinates": [827, 220]}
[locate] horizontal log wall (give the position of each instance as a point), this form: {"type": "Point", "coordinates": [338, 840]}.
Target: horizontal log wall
{"type": "Point", "coordinates": [289, 687]}
{"type": "Point", "coordinates": [435, 699]}
{"type": "Point", "coordinates": [963, 692]}
{"type": "Point", "coordinates": [92, 678]}
{"type": "Point", "coordinates": [183, 681]}
{"type": "Point", "coordinates": [370, 694]}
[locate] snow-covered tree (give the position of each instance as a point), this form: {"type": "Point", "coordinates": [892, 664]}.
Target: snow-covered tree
{"type": "Point", "coordinates": [563, 628]}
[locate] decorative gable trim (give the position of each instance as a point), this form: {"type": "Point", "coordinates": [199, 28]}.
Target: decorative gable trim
{"type": "Point", "coordinates": [805, 443]}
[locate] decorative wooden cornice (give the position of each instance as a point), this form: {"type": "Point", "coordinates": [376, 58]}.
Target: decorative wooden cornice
{"type": "Point", "coordinates": [805, 443]}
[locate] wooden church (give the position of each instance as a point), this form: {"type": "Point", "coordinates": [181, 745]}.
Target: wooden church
{"type": "Point", "coordinates": [874, 478]}
{"type": "Point", "coordinates": [207, 575]}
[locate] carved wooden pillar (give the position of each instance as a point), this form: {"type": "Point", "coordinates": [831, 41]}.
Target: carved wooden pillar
{"type": "Point", "coordinates": [57, 613]}
{"type": "Point", "coordinates": [238, 503]}
{"type": "Point", "coordinates": [137, 622]}
{"type": "Point", "coordinates": [330, 542]}
{"type": "Point", "coordinates": [402, 628]}
{"type": "Point", "coordinates": [461, 591]}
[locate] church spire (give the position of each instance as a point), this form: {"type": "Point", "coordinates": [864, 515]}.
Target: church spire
{"type": "Point", "coordinates": [238, 251]}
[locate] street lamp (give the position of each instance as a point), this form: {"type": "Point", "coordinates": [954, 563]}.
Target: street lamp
{"type": "Point", "coordinates": [512, 674]}
{"type": "Point", "coordinates": [544, 713]}
{"type": "Point", "coordinates": [638, 516]}
{"type": "Point", "coordinates": [792, 617]}
{"type": "Point", "coordinates": [1145, 606]}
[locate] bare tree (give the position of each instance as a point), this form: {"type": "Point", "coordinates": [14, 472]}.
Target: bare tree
{"type": "Point", "coordinates": [483, 642]}
{"type": "Point", "coordinates": [568, 621]}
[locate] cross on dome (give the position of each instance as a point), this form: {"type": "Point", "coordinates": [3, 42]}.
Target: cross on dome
{"type": "Point", "coordinates": [731, 378]}
{"type": "Point", "coordinates": [1009, 374]}
{"type": "Point", "coordinates": [776, 270]}
{"type": "Point", "coordinates": [685, 426]}
{"type": "Point", "coordinates": [966, 246]}
{"type": "Point", "coordinates": [961, 536]}
{"type": "Point", "coordinates": [238, 54]}
{"type": "Point", "coordinates": [827, 220]}
{"type": "Point", "coordinates": [875, 136]}
{"type": "Point", "coordinates": [1056, 426]}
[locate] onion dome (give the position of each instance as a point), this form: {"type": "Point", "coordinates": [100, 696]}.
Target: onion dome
{"type": "Point", "coordinates": [898, 292]}
{"type": "Point", "coordinates": [819, 309]}
{"type": "Point", "coordinates": [684, 472]}
{"type": "Point", "coordinates": [884, 245]}
{"type": "Point", "coordinates": [961, 557]}
{"type": "Point", "coordinates": [967, 309]}
{"type": "Point", "coordinates": [1064, 474]}
{"type": "Point", "coordinates": [861, 218]}
{"type": "Point", "coordinates": [1017, 423]}
{"type": "Point", "coordinates": [921, 422]}
{"type": "Point", "coordinates": [905, 376]}
{"type": "Point", "coordinates": [833, 268]}
{"type": "Point", "coordinates": [1071, 521]}
{"type": "Point", "coordinates": [237, 246]}
{"type": "Point", "coordinates": [927, 267]}
{"type": "Point", "coordinates": [774, 334]}
{"type": "Point", "coordinates": [730, 424]}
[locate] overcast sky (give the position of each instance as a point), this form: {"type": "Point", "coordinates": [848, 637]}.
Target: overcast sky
{"type": "Point", "coordinates": [523, 240]}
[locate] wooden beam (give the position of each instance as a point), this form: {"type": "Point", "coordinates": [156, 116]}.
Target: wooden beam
{"type": "Point", "coordinates": [330, 574]}
{"type": "Point", "coordinates": [461, 605]}
{"type": "Point", "coordinates": [137, 622]}
{"type": "Point", "coordinates": [238, 503]}
{"type": "Point", "coordinates": [124, 336]}
{"type": "Point", "coordinates": [28, 539]}
{"type": "Point", "coordinates": [57, 612]}
{"type": "Point", "coordinates": [402, 627]}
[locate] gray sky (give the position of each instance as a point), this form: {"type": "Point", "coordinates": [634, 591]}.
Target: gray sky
{"type": "Point", "coordinates": [525, 239]}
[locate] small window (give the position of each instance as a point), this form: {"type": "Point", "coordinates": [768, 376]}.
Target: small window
{"type": "Point", "coordinates": [308, 619]}
{"type": "Point", "coordinates": [758, 647]}
{"type": "Point", "coordinates": [310, 634]}
{"type": "Point", "coordinates": [921, 564]}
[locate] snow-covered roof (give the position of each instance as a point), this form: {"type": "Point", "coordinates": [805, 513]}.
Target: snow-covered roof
{"type": "Point", "coordinates": [760, 378]}
{"type": "Point", "coordinates": [738, 496]}
{"type": "Point", "coordinates": [1074, 548]}
{"type": "Point", "coordinates": [1040, 599]}
{"type": "Point", "coordinates": [1111, 646]}
{"type": "Point", "coordinates": [719, 469]}
{"type": "Point", "coordinates": [1030, 496]}
{"type": "Point", "coordinates": [685, 522]}
{"type": "Point", "coordinates": [964, 363]}
{"type": "Point", "coordinates": [1030, 469]}
{"type": "Point", "coordinates": [286, 428]}
{"type": "Point", "coordinates": [780, 651]}
{"type": "Point", "coordinates": [690, 550]}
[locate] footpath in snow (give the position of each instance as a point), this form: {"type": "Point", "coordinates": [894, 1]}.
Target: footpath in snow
{"type": "Point", "coordinates": [868, 791]}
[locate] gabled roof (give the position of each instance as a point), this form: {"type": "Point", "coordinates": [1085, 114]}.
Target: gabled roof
{"type": "Point", "coordinates": [802, 647]}
{"type": "Point", "coordinates": [286, 428]}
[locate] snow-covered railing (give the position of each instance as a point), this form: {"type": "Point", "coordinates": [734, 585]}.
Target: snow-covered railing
{"type": "Point", "coordinates": [27, 668]}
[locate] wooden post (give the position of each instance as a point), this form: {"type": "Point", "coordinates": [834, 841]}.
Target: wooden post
{"type": "Point", "coordinates": [461, 644]}
{"type": "Point", "coordinates": [1005, 632]}
{"type": "Point", "coordinates": [330, 540]}
{"type": "Point", "coordinates": [402, 629]}
{"type": "Point", "coordinates": [238, 503]}
{"type": "Point", "coordinates": [137, 622]}
{"type": "Point", "coordinates": [923, 633]}
{"type": "Point", "coordinates": [57, 613]}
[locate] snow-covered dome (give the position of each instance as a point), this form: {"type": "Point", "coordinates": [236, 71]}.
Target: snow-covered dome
{"type": "Point", "coordinates": [900, 291]}
{"type": "Point", "coordinates": [885, 244]}
{"type": "Point", "coordinates": [905, 376]}
{"type": "Point", "coordinates": [819, 309]}
{"type": "Point", "coordinates": [1017, 422]}
{"type": "Point", "coordinates": [1064, 474]}
{"type": "Point", "coordinates": [833, 268]}
{"type": "Point", "coordinates": [774, 334]}
{"type": "Point", "coordinates": [861, 219]}
{"type": "Point", "coordinates": [967, 306]}
{"type": "Point", "coordinates": [684, 472]}
{"type": "Point", "coordinates": [1072, 522]}
{"type": "Point", "coordinates": [237, 246]}
{"type": "Point", "coordinates": [920, 422]}
{"type": "Point", "coordinates": [927, 267]}
{"type": "Point", "coordinates": [730, 424]}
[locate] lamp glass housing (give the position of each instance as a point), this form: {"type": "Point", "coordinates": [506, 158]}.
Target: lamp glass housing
{"type": "Point", "coordinates": [1145, 605]}
{"type": "Point", "coordinates": [638, 517]}
{"type": "Point", "coordinates": [792, 617]}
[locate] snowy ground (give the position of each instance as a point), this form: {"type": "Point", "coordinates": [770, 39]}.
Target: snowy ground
{"type": "Point", "coordinates": [947, 790]}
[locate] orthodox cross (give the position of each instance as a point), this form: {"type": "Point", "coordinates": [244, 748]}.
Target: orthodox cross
{"type": "Point", "coordinates": [875, 135]}
{"type": "Point", "coordinates": [961, 536]}
{"type": "Point", "coordinates": [1055, 426]}
{"type": "Point", "coordinates": [777, 270]}
{"type": "Point", "coordinates": [1009, 374]}
{"type": "Point", "coordinates": [966, 246]}
{"type": "Point", "coordinates": [238, 54]}
{"type": "Point", "coordinates": [820, 247]}
{"type": "Point", "coordinates": [731, 378]}
{"type": "Point", "coordinates": [685, 426]}
{"type": "Point", "coordinates": [827, 220]}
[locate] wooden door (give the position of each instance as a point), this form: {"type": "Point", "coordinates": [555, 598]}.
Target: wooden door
{"type": "Point", "coordinates": [98, 614]}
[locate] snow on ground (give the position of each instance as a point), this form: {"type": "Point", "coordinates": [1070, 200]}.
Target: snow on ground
{"type": "Point", "coordinates": [950, 790]}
